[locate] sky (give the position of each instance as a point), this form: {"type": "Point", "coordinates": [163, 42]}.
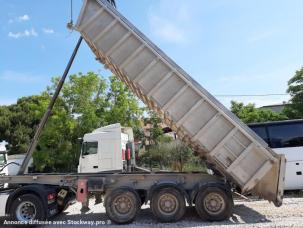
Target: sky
{"type": "Point", "coordinates": [231, 47]}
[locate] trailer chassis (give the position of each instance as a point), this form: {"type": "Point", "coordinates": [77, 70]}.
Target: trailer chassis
{"type": "Point", "coordinates": [124, 193]}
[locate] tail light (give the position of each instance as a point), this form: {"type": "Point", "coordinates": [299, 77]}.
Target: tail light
{"type": "Point", "coordinates": [51, 198]}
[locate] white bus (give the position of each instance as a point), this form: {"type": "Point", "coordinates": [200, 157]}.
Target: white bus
{"type": "Point", "coordinates": [285, 137]}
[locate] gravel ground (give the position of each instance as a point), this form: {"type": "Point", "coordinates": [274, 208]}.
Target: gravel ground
{"type": "Point", "coordinates": [257, 213]}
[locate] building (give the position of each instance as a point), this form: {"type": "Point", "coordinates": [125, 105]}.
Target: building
{"type": "Point", "coordinates": [278, 108]}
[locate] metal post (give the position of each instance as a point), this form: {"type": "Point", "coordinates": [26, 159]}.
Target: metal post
{"type": "Point", "coordinates": [48, 111]}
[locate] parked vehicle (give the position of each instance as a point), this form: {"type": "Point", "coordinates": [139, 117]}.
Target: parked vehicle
{"type": "Point", "coordinates": [10, 164]}
{"type": "Point", "coordinates": [14, 163]}
{"type": "Point", "coordinates": [285, 137]}
{"type": "Point", "coordinates": [242, 159]}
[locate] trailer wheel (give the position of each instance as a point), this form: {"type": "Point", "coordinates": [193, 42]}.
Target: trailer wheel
{"type": "Point", "coordinates": [122, 205]}
{"type": "Point", "coordinates": [27, 207]}
{"type": "Point", "coordinates": [168, 204]}
{"type": "Point", "coordinates": [213, 204]}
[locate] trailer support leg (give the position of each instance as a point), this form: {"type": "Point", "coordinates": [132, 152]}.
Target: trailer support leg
{"type": "Point", "coordinates": [82, 195]}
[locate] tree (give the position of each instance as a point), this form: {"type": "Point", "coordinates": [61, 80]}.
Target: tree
{"type": "Point", "coordinates": [54, 151]}
{"type": "Point", "coordinates": [84, 96]}
{"type": "Point", "coordinates": [122, 105]}
{"type": "Point", "coordinates": [19, 121]}
{"type": "Point", "coordinates": [87, 101]}
{"type": "Point", "coordinates": [179, 155]}
{"type": "Point", "coordinates": [250, 114]}
{"type": "Point", "coordinates": [172, 155]}
{"type": "Point", "coordinates": [294, 110]}
{"type": "Point", "coordinates": [154, 129]}
{"type": "Point", "coordinates": [5, 124]}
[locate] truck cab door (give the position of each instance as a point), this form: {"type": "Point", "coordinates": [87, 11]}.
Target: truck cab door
{"type": "Point", "coordinates": [89, 159]}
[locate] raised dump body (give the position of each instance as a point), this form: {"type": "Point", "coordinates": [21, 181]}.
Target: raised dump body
{"type": "Point", "coordinates": [198, 118]}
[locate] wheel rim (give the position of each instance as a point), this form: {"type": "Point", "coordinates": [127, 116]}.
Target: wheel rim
{"type": "Point", "coordinates": [168, 204]}
{"type": "Point", "coordinates": [214, 203]}
{"type": "Point", "coordinates": [26, 211]}
{"type": "Point", "coordinates": [123, 205]}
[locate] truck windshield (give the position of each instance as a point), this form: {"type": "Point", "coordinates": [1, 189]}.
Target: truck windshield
{"type": "Point", "coordinates": [89, 148]}
{"type": "Point", "coordinates": [2, 159]}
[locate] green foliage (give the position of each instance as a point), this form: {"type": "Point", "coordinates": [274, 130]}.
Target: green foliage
{"type": "Point", "coordinates": [163, 151]}
{"type": "Point", "coordinates": [5, 122]}
{"type": "Point", "coordinates": [87, 101]}
{"type": "Point", "coordinates": [194, 164]}
{"type": "Point", "coordinates": [250, 114]}
{"type": "Point", "coordinates": [19, 121]}
{"type": "Point", "coordinates": [179, 155]}
{"type": "Point", "coordinates": [155, 130]}
{"type": "Point", "coordinates": [54, 151]}
{"type": "Point", "coordinates": [122, 105]}
{"type": "Point", "coordinates": [171, 155]}
{"type": "Point", "coordinates": [294, 110]}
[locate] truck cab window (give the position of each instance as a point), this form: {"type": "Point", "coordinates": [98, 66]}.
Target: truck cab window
{"type": "Point", "coordinates": [89, 148]}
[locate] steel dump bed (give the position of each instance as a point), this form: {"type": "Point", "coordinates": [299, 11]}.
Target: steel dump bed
{"type": "Point", "coordinates": [199, 119]}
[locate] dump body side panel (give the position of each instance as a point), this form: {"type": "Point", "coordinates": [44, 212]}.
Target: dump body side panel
{"type": "Point", "coordinates": [199, 119]}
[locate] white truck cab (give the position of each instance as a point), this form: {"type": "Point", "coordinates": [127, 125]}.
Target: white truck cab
{"type": "Point", "coordinates": [106, 149]}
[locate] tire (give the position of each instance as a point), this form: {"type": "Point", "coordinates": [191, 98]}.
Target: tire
{"type": "Point", "coordinates": [213, 204]}
{"type": "Point", "coordinates": [27, 207]}
{"type": "Point", "coordinates": [122, 205]}
{"type": "Point", "coordinates": [168, 204]}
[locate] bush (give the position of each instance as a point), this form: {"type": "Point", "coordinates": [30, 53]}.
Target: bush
{"type": "Point", "coordinates": [171, 156]}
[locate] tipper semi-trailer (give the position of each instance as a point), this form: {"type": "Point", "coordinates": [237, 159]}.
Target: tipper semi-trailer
{"type": "Point", "coordinates": [198, 118]}
{"type": "Point", "coordinates": [242, 160]}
